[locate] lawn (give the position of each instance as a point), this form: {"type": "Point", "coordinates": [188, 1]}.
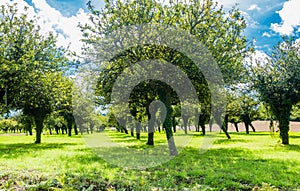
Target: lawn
{"type": "Point", "coordinates": [246, 162]}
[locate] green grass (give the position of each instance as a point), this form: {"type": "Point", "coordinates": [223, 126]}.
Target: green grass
{"type": "Point", "coordinates": [247, 162]}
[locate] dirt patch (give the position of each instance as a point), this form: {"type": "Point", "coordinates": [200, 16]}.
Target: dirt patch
{"type": "Point", "coordinates": [264, 126]}
{"type": "Point", "coordinates": [258, 125]}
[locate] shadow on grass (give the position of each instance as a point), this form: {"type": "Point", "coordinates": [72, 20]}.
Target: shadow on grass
{"type": "Point", "coordinates": [251, 133]}
{"type": "Point", "coordinates": [290, 147]}
{"type": "Point", "coordinates": [232, 168]}
{"type": "Point", "coordinates": [228, 141]}
{"type": "Point", "coordinates": [16, 150]}
{"type": "Point", "coordinates": [295, 136]}
{"type": "Point", "coordinates": [132, 140]}
{"type": "Point", "coordinates": [221, 169]}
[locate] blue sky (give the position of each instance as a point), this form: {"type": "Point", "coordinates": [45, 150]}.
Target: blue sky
{"type": "Point", "coordinates": [267, 19]}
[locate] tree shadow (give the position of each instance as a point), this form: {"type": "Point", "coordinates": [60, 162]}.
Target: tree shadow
{"type": "Point", "coordinates": [251, 133]}
{"type": "Point", "coordinates": [290, 147]}
{"type": "Point", "coordinates": [295, 136]}
{"type": "Point", "coordinates": [227, 168]}
{"type": "Point", "coordinates": [16, 150]}
{"type": "Point", "coordinates": [228, 141]}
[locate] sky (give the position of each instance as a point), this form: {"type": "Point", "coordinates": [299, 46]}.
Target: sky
{"type": "Point", "coordinates": [267, 20]}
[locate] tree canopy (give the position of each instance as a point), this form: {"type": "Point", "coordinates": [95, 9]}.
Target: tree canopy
{"type": "Point", "coordinates": [278, 82]}
{"type": "Point", "coordinates": [218, 30]}
{"type": "Point", "coordinates": [31, 65]}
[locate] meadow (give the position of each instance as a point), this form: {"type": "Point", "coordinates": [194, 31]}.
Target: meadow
{"type": "Point", "coordinates": [246, 162]}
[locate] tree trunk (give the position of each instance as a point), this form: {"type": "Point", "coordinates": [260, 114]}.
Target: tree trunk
{"type": "Point", "coordinates": [185, 123]}
{"type": "Point", "coordinates": [210, 125]}
{"type": "Point", "coordinates": [150, 127]}
{"type": "Point", "coordinates": [62, 129]}
{"type": "Point", "coordinates": [69, 130]}
{"type": "Point", "coordinates": [252, 127]}
{"type": "Point", "coordinates": [271, 126]}
{"type": "Point", "coordinates": [138, 131]}
{"type": "Point", "coordinates": [56, 129]}
{"type": "Point", "coordinates": [132, 131]}
{"type": "Point", "coordinates": [203, 129]}
{"type": "Point", "coordinates": [75, 129]}
{"type": "Point", "coordinates": [70, 119]}
{"type": "Point", "coordinates": [197, 121]}
{"type": "Point", "coordinates": [236, 126]}
{"type": "Point", "coordinates": [150, 134]}
{"type": "Point", "coordinates": [29, 128]}
{"type": "Point", "coordinates": [125, 130]}
{"type": "Point", "coordinates": [284, 121]}
{"type": "Point", "coordinates": [247, 121]}
{"type": "Point", "coordinates": [174, 124]}
{"type": "Point", "coordinates": [92, 128]}
{"type": "Point", "coordinates": [123, 125]}
{"type": "Point", "coordinates": [247, 127]}
{"type": "Point", "coordinates": [70, 124]}
{"type": "Point", "coordinates": [150, 139]}
{"type": "Point", "coordinates": [39, 121]}
{"type": "Point", "coordinates": [201, 122]}
{"type": "Point", "coordinates": [30, 131]}
{"type": "Point", "coordinates": [223, 126]}
{"type": "Point", "coordinates": [197, 126]}
{"type": "Point", "coordinates": [50, 131]}
{"type": "Point", "coordinates": [226, 133]}
{"type": "Point", "coordinates": [226, 122]}
{"type": "Point", "coordinates": [81, 129]}
{"type": "Point", "coordinates": [165, 97]}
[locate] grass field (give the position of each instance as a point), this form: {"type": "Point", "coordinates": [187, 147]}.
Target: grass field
{"type": "Point", "coordinates": [247, 162]}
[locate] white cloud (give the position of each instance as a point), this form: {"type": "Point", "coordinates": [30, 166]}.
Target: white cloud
{"type": "Point", "coordinates": [266, 34]}
{"type": "Point", "coordinates": [254, 7]}
{"type": "Point", "coordinates": [51, 20]}
{"type": "Point", "coordinates": [228, 3]}
{"type": "Point", "coordinates": [290, 17]}
{"type": "Point", "coordinates": [20, 6]}
{"type": "Point", "coordinates": [258, 57]}
{"type": "Point", "coordinates": [249, 20]}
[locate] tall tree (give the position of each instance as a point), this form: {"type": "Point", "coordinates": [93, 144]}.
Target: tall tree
{"type": "Point", "coordinates": [31, 66]}
{"type": "Point", "coordinates": [278, 81]}
{"type": "Point", "coordinates": [220, 31]}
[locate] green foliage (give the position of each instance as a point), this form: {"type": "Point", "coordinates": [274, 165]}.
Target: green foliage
{"type": "Point", "coordinates": [240, 103]}
{"type": "Point", "coordinates": [264, 112]}
{"type": "Point", "coordinates": [9, 125]}
{"type": "Point", "coordinates": [84, 111]}
{"type": "Point", "coordinates": [31, 67]}
{"type": "Point", "coordinates": [295, 114]}
{"type": "Point", "coordinates": [278, 82]}
{"type": "Point", "coordinates": [54, 120]}
{"type": "Point", "coordinates": [28, 59]}
{"type": "Point", "coordinates": [220, 31]}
